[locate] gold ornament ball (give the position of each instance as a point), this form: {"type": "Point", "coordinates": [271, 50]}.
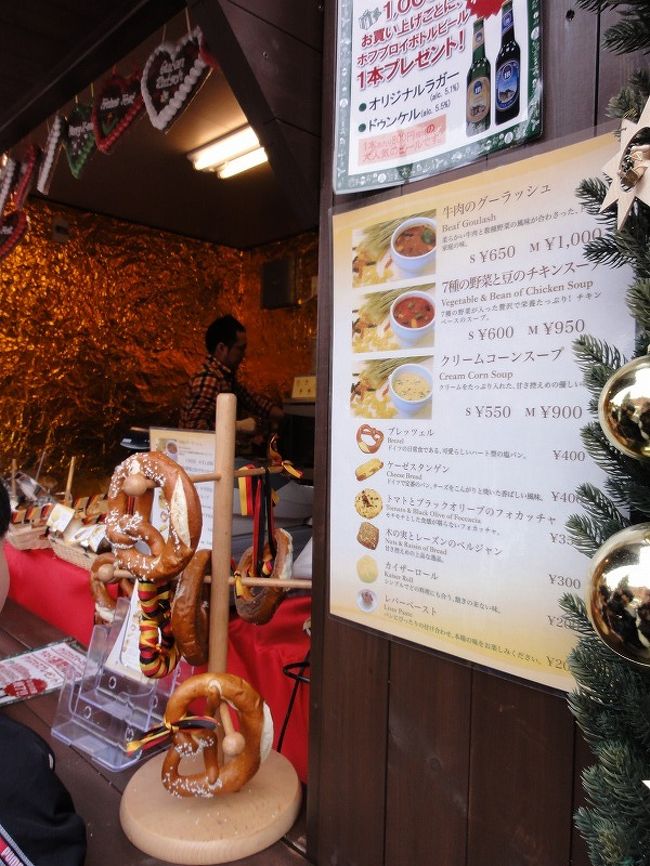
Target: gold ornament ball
{"type": "Point", "coordinates": [624, 408]}
{"type": "Point", "coordinates": [618, 593]}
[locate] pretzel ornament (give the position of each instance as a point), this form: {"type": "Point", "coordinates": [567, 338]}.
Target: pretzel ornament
{"type": "Point", "coordinates": [258, 604]}
{"type": "Point", "coordinates": [369, 439]}
{"type": "Point", "coordinates": [190, 620]}
{"type": "Point", "coordinates": [167, 558]}
{"type": "Point", "coordinates": [231, 758]}
{"type": "Point", "coordinates": [102, 573]}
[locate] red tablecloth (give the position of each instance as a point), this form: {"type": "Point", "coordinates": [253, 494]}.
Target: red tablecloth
{"type": "Point", "coordinates": [58, 592]}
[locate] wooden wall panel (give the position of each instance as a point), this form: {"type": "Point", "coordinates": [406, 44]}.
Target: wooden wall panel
{"type": "Point", "coordinates": [583, 757]}
{"type": "Point", "coordinates": [352, 744]}
{"type": "Point", "coordinates": [569, 89]}
{"type": "Point", "coordinates": [428, 763]}
{"type": "Point", "coordinates": [276, 78]}
{"type": "Point", "coordinates": [301, 18]}
{"type": "Point", "coordinates": [521, 775]}
{"type": "Point", "coordinates": [480, 769]}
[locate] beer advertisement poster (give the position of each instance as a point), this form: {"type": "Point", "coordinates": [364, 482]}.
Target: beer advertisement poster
{"type": "Point", "coordinates": [458, 406]}
{"type": "Point", "coordinates": [424, 86]}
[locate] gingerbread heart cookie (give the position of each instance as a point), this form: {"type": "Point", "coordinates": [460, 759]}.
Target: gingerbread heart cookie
{"type": "Point", "coordinates": [51, 154]}
{"type": "Point", "coordinates": [172, 77]}
{"type": "Point", "coordinates": [8, 181]}
{"type": "Point", "coordinates": [117, 105]}
{"type": "Point", "coordinates": [79, 143]}
{"type": "Point", "coordinates": [12, 229]}
{"type": "Point", "coordinates": [28, 172]}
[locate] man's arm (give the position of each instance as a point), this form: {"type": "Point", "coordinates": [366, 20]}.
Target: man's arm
{"type": "Point", "coordinates": [256, 404]}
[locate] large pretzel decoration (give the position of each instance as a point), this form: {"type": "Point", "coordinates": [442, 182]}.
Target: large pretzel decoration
{"type": "Point", "coordinates": [231, 758]}
{"type": "Point", "coordinates": [190, 618]}
{"type": "Point", "coordinates": [167, 558]}
{"type": "Point", "coordinates": [155, 570]}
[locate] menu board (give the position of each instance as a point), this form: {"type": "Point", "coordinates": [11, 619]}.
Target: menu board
{"type": "Point", "coordinates": [424, 86]}
{"type": "Point", "coordinates": [457, 406]}
{"type": "Point", "coordinates": [194, 451]}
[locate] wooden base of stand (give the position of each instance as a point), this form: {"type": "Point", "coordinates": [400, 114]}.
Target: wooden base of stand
{"type": "Point", "coordinates": [218, 830]}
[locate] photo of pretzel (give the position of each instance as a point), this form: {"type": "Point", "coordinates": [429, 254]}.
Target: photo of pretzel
{"type": "Point", "coordinates": [369, 439]}
{"type": "Point", "coordinates": [123, 530]}
{"type": "Point", "coordinates": [231, 758]}
{"type": "Point", "coordinates": [190, 620]}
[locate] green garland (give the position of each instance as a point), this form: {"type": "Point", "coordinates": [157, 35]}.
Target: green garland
{"type": "Point", "coordinates": [611, 702]}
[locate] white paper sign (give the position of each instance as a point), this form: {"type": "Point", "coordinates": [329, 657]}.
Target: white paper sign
{"type": "Point", "coordinates": [448, 521]}
{"type": "Point", "coordinates": [194, 451]}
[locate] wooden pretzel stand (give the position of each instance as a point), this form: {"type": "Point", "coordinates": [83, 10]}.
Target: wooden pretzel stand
{"type": "Point", "coordinates": [230, 826]}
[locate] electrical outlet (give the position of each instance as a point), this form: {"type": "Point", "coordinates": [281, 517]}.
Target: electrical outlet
{"type": "Point", "coordinates": [304, 388]}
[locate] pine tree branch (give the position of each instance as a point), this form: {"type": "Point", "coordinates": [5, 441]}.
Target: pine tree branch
{"type": "Point", "coordinates": [590, 193]}
{"type": "Point", "coordinates": [630, 101]}
{"type": "Point", "coordinates": [628, 36]}
{"type": "Point", "coordinates": [591, 352]}
{"type": "Point", "coordinates": [600, 507]}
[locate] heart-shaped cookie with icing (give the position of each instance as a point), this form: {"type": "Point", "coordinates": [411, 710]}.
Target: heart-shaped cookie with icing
{"type": "Point", "coordinates": [79, 143]}
{"type": "Point", "coordinates": [28, 171]}
{"type": "Point", "coordinates": [51, 154]}
{"type": "Point", "coordinates": [12, 228]}
{"type": "Point", "coordinates": [172, 76]}
{"type": "Point", "coordinates": [8, 181]}
{"type": "Point", "coordinates": [117, 105]}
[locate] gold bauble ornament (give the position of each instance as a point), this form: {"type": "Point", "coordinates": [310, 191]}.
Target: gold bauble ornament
{"type": "Point", "coordinates": [618, 594]}
{"type": "Point", "coordinates": [624, 408]}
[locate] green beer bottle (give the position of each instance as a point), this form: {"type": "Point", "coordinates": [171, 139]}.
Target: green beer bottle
{"type": "Point", "coordinates": [507, 70]}
{"type": "Point", "coordinates": [478, 84]}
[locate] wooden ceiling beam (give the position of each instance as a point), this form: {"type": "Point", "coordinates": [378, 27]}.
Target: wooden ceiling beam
{"type": "Point", "coordinates": [129, 25]}
{"type": "Point", "coordinates": [274, 69]}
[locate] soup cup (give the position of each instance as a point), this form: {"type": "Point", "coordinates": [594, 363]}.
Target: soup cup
{"type": "Point", "coordinates": [409, 336]}
{"type": "Point", "coordinates": [418, 263]}
{"type": "Point", "coordinates": [404, 406]}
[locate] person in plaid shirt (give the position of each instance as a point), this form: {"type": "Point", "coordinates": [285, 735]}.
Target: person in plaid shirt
{"type": "Point", "coordinates": [225, 340]}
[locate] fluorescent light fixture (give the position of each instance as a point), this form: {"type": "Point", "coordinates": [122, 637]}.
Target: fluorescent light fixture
{"type": "Point", "coordinates": [231, 154]}
{"type": "Point", "coordinates": [242, 163]}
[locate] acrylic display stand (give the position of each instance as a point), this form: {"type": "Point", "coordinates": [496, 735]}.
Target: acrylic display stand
{"type": "Point", "coordinates": [230, 826]}
{"type": "Point", "coordinates": [106, 708]}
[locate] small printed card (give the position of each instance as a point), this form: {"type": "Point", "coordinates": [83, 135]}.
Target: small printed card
{"type": "Point", "coordinates": [39, 671]}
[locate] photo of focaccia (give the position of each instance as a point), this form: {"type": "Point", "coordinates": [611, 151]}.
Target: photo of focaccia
{"type": "Point", "coordinates": [368, 503]}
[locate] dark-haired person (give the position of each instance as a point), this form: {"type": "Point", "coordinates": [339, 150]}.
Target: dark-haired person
{"type": "Point", "coordinates": [225, 341]}
{"type": "Point", "coordinates": [38, 822]}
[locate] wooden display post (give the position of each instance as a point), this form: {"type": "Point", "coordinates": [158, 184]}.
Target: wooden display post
{"type": "Point", "coordinates": [228, 827]}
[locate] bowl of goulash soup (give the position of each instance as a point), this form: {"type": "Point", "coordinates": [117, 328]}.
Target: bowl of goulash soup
{"type": "Point", "coordinates": [413, 245]}
{"type": "Point", "coordinates": [412, 317]}
{"type": "Point", "coordinates": [410, 387]}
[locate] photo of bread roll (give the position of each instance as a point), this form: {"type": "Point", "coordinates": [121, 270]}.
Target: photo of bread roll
{"type": "Point", "coordinates": [367, 569]}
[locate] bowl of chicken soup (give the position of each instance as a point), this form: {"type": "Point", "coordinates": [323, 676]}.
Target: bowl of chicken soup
{"type": "Point", "coordinates": [412, 316]}
{"type": "Point", "coordinates": [410, 387]}
{"type": "Point", "coordinates": [413, 245]}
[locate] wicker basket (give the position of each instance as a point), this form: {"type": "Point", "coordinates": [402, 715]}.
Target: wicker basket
{"type": "Point", "coordinates": [72, 553]}
{"type": "Point", "coordinates": [27, 537]}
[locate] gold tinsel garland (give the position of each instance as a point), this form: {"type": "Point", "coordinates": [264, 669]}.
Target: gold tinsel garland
{"type": "Point", "coordinates": [103, 331]}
